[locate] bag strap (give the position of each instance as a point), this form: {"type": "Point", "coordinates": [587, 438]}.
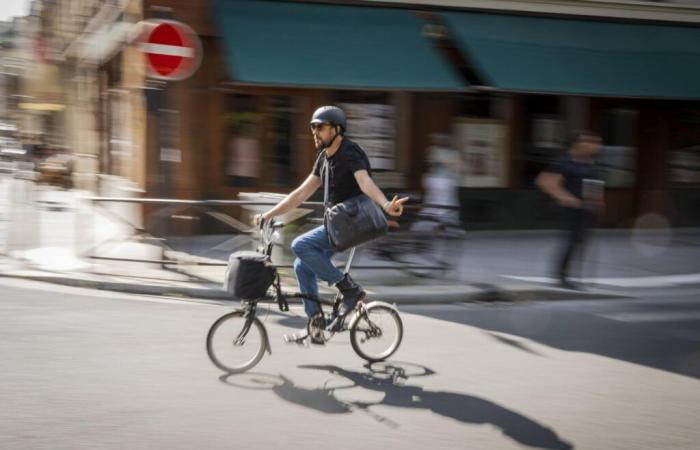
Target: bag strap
{"type": "Point", "coordinates": [325, 182]}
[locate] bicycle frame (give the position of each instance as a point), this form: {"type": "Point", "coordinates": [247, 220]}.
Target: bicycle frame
{"type": "Point", "coordinates": [267, 230]}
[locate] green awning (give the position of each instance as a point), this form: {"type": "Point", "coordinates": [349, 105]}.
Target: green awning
{"type": "Point", "coordinates": [303, 44]}
{"type": "Point", "coordinates": [556, 55]}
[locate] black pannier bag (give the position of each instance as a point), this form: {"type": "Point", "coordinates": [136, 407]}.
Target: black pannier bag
{"type": "Point", "coordinates": [248, 275]}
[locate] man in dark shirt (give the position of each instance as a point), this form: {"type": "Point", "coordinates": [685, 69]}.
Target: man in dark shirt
{"type": "Point", "coordinates": [575, 183]}
{"type": "Point", "coordinates": [349, 175]}
{"type": "Point", "coordinates": [342, 165]}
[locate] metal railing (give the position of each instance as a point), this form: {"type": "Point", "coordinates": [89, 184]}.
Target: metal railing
{"type": "Point", "coordinates": [209, 207]}
{"type": "Point", "coordinates": [30, 220]}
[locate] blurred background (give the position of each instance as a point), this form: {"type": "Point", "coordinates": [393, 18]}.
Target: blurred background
{"type": "Point", "coordinates": [444, 96]}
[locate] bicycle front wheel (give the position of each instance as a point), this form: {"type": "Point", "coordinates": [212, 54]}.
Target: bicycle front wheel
{"type": "Point", "coordinates": [236, 343]}
{"type": "Point", "coordinates": [376, 332]}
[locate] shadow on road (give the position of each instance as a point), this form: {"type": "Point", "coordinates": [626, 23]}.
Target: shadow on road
{"type": "Point", "coordinates": [651, 345]}
{"type": "Point", "coordinates": [390, 380]}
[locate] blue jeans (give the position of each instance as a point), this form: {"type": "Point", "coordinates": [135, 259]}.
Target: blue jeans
{"type": "Point", "coordinates": [313, 252]}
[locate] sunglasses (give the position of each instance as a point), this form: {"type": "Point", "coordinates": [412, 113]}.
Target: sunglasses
{"type": "Point", "coordinates": [318, 126]}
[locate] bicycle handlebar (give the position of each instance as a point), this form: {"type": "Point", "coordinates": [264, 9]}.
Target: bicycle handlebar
{"type": "Point", "coordinates": [267, 229]}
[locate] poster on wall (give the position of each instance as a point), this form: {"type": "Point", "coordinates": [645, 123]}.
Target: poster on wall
{"type": "Point", "coordinates": [482, 145]}
{"type": "Point", "coordinates": [120, 144]}
{"type": "Point", "coordinates": [372, 127]}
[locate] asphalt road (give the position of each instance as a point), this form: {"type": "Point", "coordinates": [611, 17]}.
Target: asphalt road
{"type": "Point", "coordinates": [84, 369]}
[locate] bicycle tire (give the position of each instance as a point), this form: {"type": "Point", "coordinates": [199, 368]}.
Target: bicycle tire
{"type": "Point", "coordinates": [259, 340]}
{"type": "Point", "coordinates": [358, 333]}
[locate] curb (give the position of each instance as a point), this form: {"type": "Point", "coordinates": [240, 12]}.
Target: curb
{"type": "Point", "coordinates": [413, 296]}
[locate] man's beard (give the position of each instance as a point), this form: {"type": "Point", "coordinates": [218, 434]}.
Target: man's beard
{"type": "Point", "coordinates": [323, 144]}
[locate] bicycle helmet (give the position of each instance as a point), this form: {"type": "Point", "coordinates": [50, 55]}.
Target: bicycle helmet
{"type": "Point", "coordinates": [330, 114]}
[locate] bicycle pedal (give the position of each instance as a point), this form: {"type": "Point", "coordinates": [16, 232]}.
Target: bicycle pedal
{"type": "Point", "coordinates": [316, 341]}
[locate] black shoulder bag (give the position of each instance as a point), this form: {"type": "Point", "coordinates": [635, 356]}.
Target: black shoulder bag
{"type": "Point", "coordinates": [353, 222]}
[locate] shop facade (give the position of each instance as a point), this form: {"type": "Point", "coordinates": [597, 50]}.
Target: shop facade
{"type": "Point", "coordinates": [239, 124]}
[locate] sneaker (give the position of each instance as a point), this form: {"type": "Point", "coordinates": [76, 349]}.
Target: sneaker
{"type": "Point", "coordinates": [337, 322]}
{"type": "Point", "coordinates": [297, 337]}
{"type": "Point", "coordinates": [302, 336]}
{"type": "Point", "coordinates": [352, 293]}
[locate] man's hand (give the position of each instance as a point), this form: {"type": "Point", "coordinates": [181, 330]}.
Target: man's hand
{"type": "Point", "coordinates": [395, 206]}
{"type": "Point", "coordinates": [259, 219]}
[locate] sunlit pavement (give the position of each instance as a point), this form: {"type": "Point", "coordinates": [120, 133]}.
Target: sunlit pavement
{"type": "Point", "coordinates": [89, 369]}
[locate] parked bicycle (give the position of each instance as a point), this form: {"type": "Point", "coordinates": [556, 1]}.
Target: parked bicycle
{"type": "Point", "coordinates": [238, 340]}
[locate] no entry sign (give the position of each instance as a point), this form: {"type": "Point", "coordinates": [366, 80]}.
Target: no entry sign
{"type": "Point", "coordinates": [172, 51]}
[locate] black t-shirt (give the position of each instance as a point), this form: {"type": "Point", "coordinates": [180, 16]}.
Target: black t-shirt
{"type": "Point", "coordinates": [574, 173]}
{"type": "Point", "coordinates": [341, 177]}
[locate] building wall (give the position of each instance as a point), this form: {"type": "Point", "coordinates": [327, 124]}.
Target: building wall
{"type": "Point", "coordinates": [201, 101]}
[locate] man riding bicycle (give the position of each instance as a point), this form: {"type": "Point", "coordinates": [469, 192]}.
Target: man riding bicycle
{"type": "Point", "coordinates": [349, 175]}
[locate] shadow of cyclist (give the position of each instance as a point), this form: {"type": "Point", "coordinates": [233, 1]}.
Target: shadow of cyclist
{"type": "Point", "coordinates": [388, 379]}
{"type": "Point", "coordinates": [320, 399]}
{"type": "Point", "coordinates": [462, 407]}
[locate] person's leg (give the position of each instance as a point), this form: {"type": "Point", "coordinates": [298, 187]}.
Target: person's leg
{"type": "Point", "coordinates": [314, 249]}
{"type": "Point", "coordinates": [581, 241]}
{"type": "Point", "coordinates": [308, 285]}
{"type": "Point", "coordinates": [574, 235]}
{"type": "Point", "coordinates": [314, 253]}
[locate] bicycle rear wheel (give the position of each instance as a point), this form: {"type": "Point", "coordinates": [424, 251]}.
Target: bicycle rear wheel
{"type": "Point", "coordinates": [376, 332]}
{"type": "Point", "coordinates": [236, 343]}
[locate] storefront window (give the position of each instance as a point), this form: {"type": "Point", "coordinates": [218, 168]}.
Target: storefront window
{"type": "Point", "coordinates": [280, 114]}
{"type": "Point", "coordinates": [618, 157]}
{"type": "Point", "coordinates": [684, 160]}
{"type": "Point", "coordinates": [544, 135]}
{"type": "Point", "coordinates": [242, 143]}
{"type": "Point", "coordinates": [259, 144]}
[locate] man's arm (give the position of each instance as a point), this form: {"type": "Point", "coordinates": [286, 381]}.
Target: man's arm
{"type": "Point", "coordinates": [295, 198]}
{"type": "Point", "coordinates": [393, 207]}
{"type": "Point", "coordinates": [551, 183]}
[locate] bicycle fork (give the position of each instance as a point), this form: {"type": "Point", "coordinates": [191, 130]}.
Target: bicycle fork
{"type": "Point", "coordinates": [240, 339]}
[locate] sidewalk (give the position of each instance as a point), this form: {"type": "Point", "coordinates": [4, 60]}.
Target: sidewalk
{"type": "Point", "coordinates": [487, 266]}
{"type": "Point", "coordinates": [178, 284]}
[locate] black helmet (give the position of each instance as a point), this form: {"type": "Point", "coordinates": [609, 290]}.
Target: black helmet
{"type": "Point", "coordinates": [330, 114]}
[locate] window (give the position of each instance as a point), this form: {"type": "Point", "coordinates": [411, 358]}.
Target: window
{"type": "Point", "coordinates": [281, 138]}
{"type": "Point", "coordinates": [684, 159]}
{"type": "Point", "coordinates": [259, 141]}
{"type": "Point", "coordinates": [618, 157]}
{"type": "Point", "coordinates": [543, 135]}
{"type": "Point", "coordinates": [242, 147]}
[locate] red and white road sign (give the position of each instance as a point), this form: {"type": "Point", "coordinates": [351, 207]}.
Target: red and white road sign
{"type": "Point", "coordinates": [171, 49]}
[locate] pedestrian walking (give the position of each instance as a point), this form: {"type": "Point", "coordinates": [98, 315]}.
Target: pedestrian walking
{"type": "Point", "coordinates": [575, 183]}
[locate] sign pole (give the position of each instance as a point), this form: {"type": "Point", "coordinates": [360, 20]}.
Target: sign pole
{"type": "Point", "coordinates": [172, 51]}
